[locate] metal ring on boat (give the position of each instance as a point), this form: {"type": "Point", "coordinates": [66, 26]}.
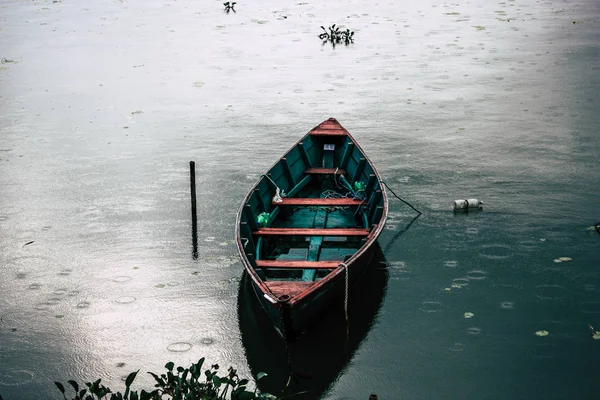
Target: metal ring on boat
{"type": "Point", "coordinates": [283, 298]}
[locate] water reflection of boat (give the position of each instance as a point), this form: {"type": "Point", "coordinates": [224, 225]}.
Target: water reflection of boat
{"type": "Point", "coordinates": [307, 367]}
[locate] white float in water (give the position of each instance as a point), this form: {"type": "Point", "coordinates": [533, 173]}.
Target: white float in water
{"type": "Point", "coordinates": [468, 205]}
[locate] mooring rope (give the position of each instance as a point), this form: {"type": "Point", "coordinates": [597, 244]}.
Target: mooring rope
{"type": "Point", "coordinates": [281, 192]}
{"type": "Point", "coordinates": [335, 177]}
{"type": "Point", "coordinates": [398, 197]}
{"type": "Point", "coordinates": [346, 287]}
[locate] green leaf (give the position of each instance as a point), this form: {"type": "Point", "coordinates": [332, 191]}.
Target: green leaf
{"type": "Point", "coordinates": [243, 382]}
{"type": "Point", "coordinates": [180, 369]}
{"type": "Point", "coordinates": [60, 387]}
{"type": "Point", "coordinates": [170, 378]}
{"type": "Point", "coordinates": [246, 396]}
{"type": "Point", "coordinates": [170, 365]}
{"type": "Point", "coordinates": [130, 378]}
{"type": "Point", "coordinates": [151, 395]}
{"type": "Point", "coordinates": [216, 380]}
{"type": "Point", "coordinates": [82, 393]}
{"type": "Point", "coordinates": [146, 395]}
{"type": "Point", "coordinates": [158, 379]}
{"type": "Point", "coordinates": [260, 375]}
{"type": "Point", "coordinates": [74, 384]}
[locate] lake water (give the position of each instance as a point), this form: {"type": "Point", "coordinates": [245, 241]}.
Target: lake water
{"type": "Point", "coordinates": [103, 104]}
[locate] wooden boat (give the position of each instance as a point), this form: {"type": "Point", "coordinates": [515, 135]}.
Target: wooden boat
{"type": "Point", "coordinates": [306, 229]}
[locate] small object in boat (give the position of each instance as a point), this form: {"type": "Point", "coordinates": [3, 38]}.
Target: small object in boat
{"type": "Point", "coordinates": [263, 219]}
{"type": "Point", "coordinates": [277, 198]}
{"type": "Point", "coordinates": [468, 204]}
{"type": "Point", "coordinates": [358, 186]}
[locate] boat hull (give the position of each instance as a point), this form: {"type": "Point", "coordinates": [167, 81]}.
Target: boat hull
{"type": "Point", "coordinates": [307, 228]}
{"type": "Point", "coordinates": [291, 321]}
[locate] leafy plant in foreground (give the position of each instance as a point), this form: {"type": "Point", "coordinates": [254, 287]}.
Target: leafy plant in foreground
{"type": "Point", "coordinates": [179, 384]}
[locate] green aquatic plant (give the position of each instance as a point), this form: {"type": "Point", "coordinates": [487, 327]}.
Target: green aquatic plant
{"type": "Point", "coordinates": [335, 35]}
{"type": "Point", "coordinates": [177, 384]}
{"type": "Point", "coordinates": [229, 6]}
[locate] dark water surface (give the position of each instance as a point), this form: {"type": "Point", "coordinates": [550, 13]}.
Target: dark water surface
{"type": "Point", "coordinates": [103, 104]}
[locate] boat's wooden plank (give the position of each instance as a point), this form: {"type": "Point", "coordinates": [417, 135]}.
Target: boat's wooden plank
{"type": "Point", "coordinates": [259, 201]}
{"type": "Point", "coordinates": [325, 171]}
{"type": "Point", "coordinates": [298, 201]}
{"type": "Point", "coordinates": [370, 183]}
{"type": "Point", "coordinates": [312, 232]}
{"type": "Point", "coordinates": [347, 153]}
{"type": "Point", "coordinates": [330, 123]}
{"type": "Point", "coordinates": [328, 132]}
{"type": "Point", "coordinates": [291, 288]}
{"type": "Point", "coordinates": [300, 264]}
{"type": "Point", "coordinates": [314, 248]}
{"type": "Point", "coordinates": [304, 154]}
{"type": "Point", "coordinates": [378, 213]}
{"type": "Point", "coordinates": [287, 171]}
{"type": "Point", "coordinates": [346, 183]}
{"type": "Point", "coordinates": [359, 169]}
{"type": "Point", "coordinates": [249, 215]}
{"type": "Point", "coordinates": [299, 186]}
{"type": "Point", "coordinates": [374, 201]}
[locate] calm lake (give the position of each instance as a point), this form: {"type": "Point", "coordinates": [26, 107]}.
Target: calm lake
{"type": "Point", "coordinates": [104, 104]}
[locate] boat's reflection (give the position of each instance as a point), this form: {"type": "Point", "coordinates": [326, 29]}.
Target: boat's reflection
{"type": "Point", "coordinates": [304, 369]}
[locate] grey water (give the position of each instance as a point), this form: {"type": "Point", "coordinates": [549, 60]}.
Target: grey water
{"type": "Point", "coordinates": [103, 104]}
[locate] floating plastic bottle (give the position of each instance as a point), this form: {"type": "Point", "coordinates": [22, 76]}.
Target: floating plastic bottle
{"type": "Point", "coordinates": [468, 205]}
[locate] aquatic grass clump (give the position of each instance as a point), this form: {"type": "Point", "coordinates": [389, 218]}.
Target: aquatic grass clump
{"type": "Point", "coordinates": [336, 35]}
{"type": "Point", "coordinates": [181, 384]}
{"type": "Point", "coordinates": [229, 6]}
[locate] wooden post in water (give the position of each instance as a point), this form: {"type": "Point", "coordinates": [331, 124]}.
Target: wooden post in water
{"type": "Point", "coordinates": [194, 216]}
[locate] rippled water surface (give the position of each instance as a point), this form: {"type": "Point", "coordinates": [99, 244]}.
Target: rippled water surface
{"type": "Point", "coordinates": [103, 104]}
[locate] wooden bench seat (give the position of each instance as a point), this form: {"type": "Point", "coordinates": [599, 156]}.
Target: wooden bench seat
{"type": "Point", "coordinates": [324, 171]}
{"type": "Point", "coordinates": [290, 288]}
{"type": "Point", "coordinates": [296, 201]}
{"type": "Point", "coordinates": [300, 264]}
{"type": "Point", "coordinates": [326, 131]}
{"type": "Point", "coordinates": [311, 232]}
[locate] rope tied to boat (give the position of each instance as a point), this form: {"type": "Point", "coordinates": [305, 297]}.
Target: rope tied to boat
{"type": "Point", "coordinates": [398, 197]}
{"type": "Point", "coordinates": [279, 194]}
{"type": "Point", "coordinates": [346, 296]}
{"type": "Point", "coordinates": [335, 177]}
